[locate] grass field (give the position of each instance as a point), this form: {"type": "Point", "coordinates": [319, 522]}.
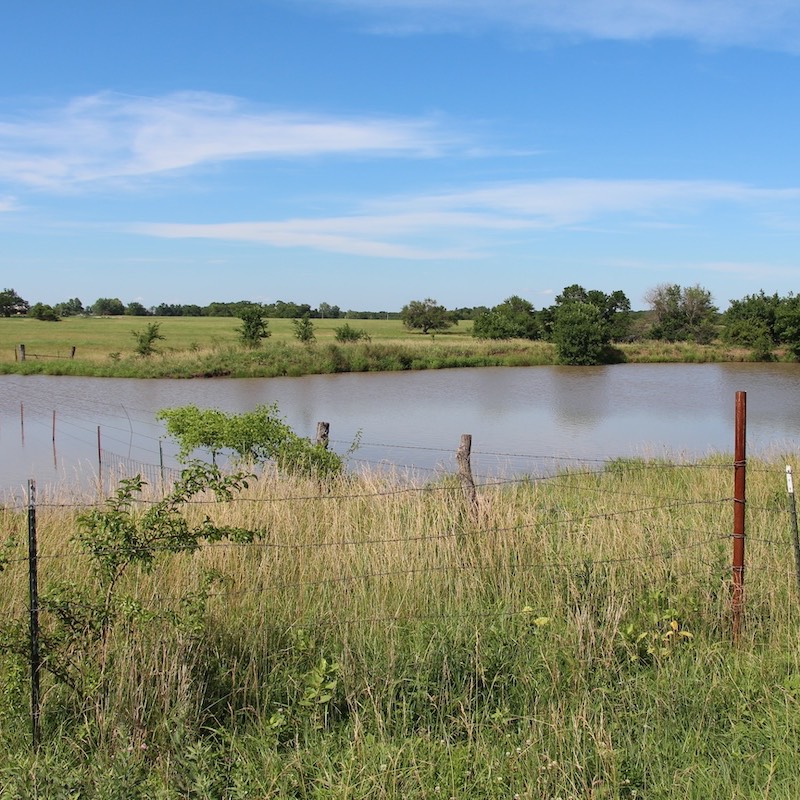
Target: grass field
{"type": "Point", "coordinates": [377, 640]}
{"type": "Point", "coordinates": [209, 346]}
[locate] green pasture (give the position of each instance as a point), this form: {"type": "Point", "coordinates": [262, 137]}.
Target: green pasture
{"type": "Point", "coordinates": [210, 347]}
{"type": "Point", "coordinates": [96, 337]}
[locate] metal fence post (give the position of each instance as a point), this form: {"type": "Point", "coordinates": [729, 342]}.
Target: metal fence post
{"type": "Point", "coordinates": [793, 513]}
{"type": "Point", "coordinates": [33, 581]}
{"type": "Point", "coordinates": [739, 500]}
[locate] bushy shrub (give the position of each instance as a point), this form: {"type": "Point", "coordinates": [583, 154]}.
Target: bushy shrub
{"type": "Point", "coordinates": [345, 333]}
{"type": "Point", "coordinates": [259, 435]}
{"type": "Point", "coordinates": [580, 334]}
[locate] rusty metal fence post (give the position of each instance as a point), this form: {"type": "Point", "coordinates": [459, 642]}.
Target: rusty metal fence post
{"type": "Point", "coordinates": [739, 501]}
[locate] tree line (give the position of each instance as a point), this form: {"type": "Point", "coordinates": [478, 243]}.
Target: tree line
{"type": "Point", "coordinates": [11, 304]}
{"type": "Point", "coordinates": [585, 325]}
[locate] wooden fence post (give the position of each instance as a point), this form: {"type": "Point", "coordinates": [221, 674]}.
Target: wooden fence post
{"type": "Point", "coordinates": [463, 455]}
{"type": "Point", "coordinates": [323, 433]}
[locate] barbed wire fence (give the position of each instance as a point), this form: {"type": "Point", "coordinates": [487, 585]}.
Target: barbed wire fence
{"type": "Point", "coordinates": [698, 553]}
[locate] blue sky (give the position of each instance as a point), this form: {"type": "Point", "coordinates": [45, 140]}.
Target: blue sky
{"type": "Point", "coordinates": [369, 152]}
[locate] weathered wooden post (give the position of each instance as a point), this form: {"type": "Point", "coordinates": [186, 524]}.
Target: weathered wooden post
{"type": "Point", "coordinates": [465, 473]}
{"type": "Point", "coordinates": [21, 350]}
{"type": "Point", "coordinates": [323, 432]}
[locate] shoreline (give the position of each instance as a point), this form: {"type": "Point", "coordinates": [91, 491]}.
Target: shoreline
{"type": "Point", "coordinates": [287, 359]}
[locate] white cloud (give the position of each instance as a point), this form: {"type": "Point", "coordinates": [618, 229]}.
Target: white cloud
{"type": "Point", "coordinates": [462, 224]}
{"type": "Point", "coordinates": [352, 236]}
{"type": "Point", "coordinates": [770, 23]}
{"type": "Point", "coordinates": [7, 204]}
{"type": "Point", "coordinates": [111, 136]}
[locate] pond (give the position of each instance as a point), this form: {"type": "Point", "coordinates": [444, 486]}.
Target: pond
{"type": "Point", "coordinates": [522, 420]}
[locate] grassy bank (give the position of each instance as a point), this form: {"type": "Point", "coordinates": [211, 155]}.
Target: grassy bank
{"type": "Point", "coordinates": [379, 640]}
{"type": "Point", "coordinates": [208, 347]}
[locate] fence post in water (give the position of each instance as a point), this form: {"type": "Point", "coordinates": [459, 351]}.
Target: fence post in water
{"type": "Point", "coordinates": [465, 473]}
{"type": "Point", "coordinates": [99, 460]}
{"type": "Point", "coordinates": [22, 422]}
{"type": "Point", "coordinates": [739, 500]}
{"type": "Point", "coordinates": [323, 433]}
{"type": "Point", "coordinates": [33, 582]}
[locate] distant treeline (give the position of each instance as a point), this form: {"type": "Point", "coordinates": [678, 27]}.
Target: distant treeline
{"type": "Point", "coordinates": [11, 304]}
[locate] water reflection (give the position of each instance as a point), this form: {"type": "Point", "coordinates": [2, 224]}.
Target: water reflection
{"type": "Point", "coordinates": [581, 396]}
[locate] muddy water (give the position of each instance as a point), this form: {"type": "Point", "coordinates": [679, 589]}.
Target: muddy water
{"type": "Point", "coordinates": [522, 420]}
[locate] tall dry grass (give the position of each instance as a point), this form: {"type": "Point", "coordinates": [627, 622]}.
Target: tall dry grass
{"type": "Point", "coordinates": [565, 614]}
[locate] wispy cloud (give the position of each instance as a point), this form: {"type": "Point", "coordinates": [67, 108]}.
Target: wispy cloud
{"type": "Point", "coordinates": [769, 23]}
{"type": "Point", "coordinates": [463, 224]}
{"type": "Point", "coordinates": [110, 136]}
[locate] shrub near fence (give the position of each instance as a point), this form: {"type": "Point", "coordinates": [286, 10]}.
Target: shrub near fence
{"type": "Point", "coordinates": [380, 638]}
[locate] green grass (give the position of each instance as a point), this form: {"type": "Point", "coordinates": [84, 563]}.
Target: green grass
{"type": "Point", "coordinates": [209, 346]}
{"type": "Point", "coordinates": [534, 651]}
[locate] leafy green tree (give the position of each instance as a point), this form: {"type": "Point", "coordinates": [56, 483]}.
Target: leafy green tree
{"type": "Point", "coordinates": [682, 313]}
{"type": "Point", "coordinates": [580, 333]}
{"type": "Point", "coordinates": [136, 309]}
{"type": "Point", "coordinates": [259, 435]}
{"type": "Point", "coordinates": [426, 315]}
{"type": "Point", "coordinates": [282, 310]}
{"type": "Point", "coordinates": [616, 311]}
{"type": "Point", "coordinates": [327, 311]}
{"type": "Point", "coordinates": [514, 318]}
{"type": "Point", "coordinates": [787, 324]}
{"type": "Point", "coordinates": [614, 308]}
{"type": "Point", "coordinates": [304, 329]}
{"type": "Point", "coordinates": [147, 338]}
{"type": "Point", "coordinates": [254, 326]}
{"type": "Point", "coordinates": [12, 304]}
{"type": "Point", "coordinates": [218, 309]}
{"type": "Point", "coordinates": [108, 307]}
{"type": "Point", "coordinates": [69, 308]}
{"type": "Point", "coordinates": [43, 312]}
{"type": "Point", "coordinates": [168, 310]}
{"type": "Point", "coordinates": [751, 320]}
